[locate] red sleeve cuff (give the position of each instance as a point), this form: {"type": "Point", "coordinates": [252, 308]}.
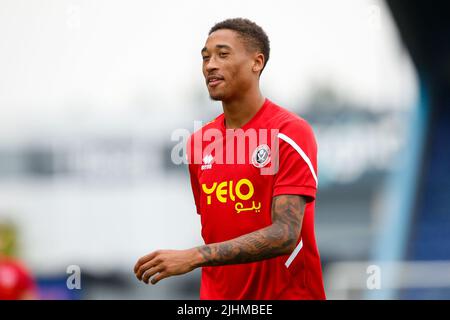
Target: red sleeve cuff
{"type": "Point", "coordinates": [309, 192]}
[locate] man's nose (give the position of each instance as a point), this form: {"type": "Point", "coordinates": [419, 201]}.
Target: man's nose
{"type": "Point", "coordinates": [211, 65]}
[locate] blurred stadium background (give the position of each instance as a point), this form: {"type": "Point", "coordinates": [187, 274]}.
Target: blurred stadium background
{"type": "Point", "coordinates": [90, 92]}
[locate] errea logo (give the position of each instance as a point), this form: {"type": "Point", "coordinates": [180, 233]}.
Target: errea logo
{"type": "Point", "coordinates": [207, 162]}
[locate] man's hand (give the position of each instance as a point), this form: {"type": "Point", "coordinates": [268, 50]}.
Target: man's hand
{"type": "Point", "coordinates": [166, 263]}
{"type": "Point", "coordinates": [277, 239]}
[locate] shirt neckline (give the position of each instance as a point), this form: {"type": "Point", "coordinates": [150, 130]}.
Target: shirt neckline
{"type": "Point", "coordinates": [249, 122]}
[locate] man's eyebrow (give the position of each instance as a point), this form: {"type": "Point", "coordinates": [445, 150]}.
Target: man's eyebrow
{"type": "Point", "coordinates": [223, 46]}
{"type": "Point", "coordinates": [218, 46]}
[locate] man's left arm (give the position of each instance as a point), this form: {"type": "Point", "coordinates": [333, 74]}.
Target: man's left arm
{"type": "Point", "coordinates": [277, 239]}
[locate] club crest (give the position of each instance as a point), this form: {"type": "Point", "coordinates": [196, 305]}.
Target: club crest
{"type": "Point", "coordinates": [261, 156]}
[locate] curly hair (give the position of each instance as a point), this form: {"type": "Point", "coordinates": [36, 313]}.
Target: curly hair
{"type": "Point", "coordinates": [253, 35]}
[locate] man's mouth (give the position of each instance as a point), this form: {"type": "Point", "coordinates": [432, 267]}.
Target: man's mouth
{"type": "Point", "coordinates": [214, 81]}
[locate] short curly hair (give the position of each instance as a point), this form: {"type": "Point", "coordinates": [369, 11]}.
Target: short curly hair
{"type": "Point", "coordinates": [250, 32]}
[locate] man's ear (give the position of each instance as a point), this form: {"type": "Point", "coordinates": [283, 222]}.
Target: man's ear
{"type": "Point", "coordinates": [258, 62]}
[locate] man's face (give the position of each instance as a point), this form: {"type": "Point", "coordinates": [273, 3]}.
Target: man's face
{"type": "Point", "coordinates": [227, 65]}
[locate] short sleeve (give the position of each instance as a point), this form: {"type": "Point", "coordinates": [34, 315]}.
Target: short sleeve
{"type": "Point", "coordinates": [297, 171]}
{"type": "Point", "coordinates": [193, 173]}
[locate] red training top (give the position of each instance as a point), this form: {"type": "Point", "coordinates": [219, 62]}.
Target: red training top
{"type": "Point", "coordinates": [15, 281]}
{"type": "Point", "coordinates": [234, 176]}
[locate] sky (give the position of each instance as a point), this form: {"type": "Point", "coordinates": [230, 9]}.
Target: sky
{"type": "Point", "coordinates": [94, 60]}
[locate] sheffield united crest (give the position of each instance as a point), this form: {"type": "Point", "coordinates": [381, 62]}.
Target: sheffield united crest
{"type": "Point", "coordinates": [261, 156]}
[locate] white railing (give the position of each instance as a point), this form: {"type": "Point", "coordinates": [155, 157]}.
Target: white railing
{"type": "Point", "coordinates": [367, 280]}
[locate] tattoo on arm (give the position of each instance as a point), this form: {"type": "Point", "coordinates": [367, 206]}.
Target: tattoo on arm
{"type": "Point", "coordinates": [277, 239]}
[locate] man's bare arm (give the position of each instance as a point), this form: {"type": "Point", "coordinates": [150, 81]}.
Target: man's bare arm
{"type": "Point", "coordinates": [277, 239]}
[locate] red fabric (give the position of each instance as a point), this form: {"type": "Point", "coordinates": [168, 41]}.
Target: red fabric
{"type": "Point", "coordinates": [15, 280]}
{"type": "Point", "coordinates": [228, 207]}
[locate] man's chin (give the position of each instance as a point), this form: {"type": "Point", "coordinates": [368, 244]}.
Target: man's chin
{"type": "Point", "coordinates": [216, 97]}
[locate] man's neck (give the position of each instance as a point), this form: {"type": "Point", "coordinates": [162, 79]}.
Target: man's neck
{"type": "Point", "coordinates": [239, 111]}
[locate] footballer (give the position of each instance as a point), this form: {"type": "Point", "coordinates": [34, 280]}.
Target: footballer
{"type": "Point", "coordinates": [256, 211]}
